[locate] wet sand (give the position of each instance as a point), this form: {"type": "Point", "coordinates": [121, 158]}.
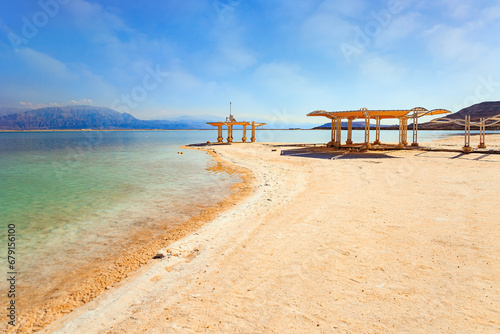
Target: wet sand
{"type": "Point", "coordinates": [396, 241]}
{"type": "Point", "coordinates": [65, 293]}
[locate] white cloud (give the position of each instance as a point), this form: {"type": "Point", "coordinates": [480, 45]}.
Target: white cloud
{"type": "Point", "coordinates": [82, 101]}
{"type": "Point", "coordinates": [38, 105]}
{"type": "Point", "coordinates": [455, 44]}
{"type": "Point", "coordinates": [46, 65]}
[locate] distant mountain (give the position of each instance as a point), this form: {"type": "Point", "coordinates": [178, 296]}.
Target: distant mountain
{"type": "Point", "coordinates": [83, 117]}
{"type": "Point", "coordinates": [476, 112]}
{"type": "Point", "coordinates": [7, 111]}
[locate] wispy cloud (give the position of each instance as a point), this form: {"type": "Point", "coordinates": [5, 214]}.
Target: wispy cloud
{"type": "Point", "coordinates": [46, 65]}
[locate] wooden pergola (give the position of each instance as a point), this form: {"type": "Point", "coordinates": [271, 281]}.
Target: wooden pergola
{"type": "Point", "coordinates": [402, 115]}
{"type": "Point", "coordinates": [230, 122]}
{"type": "Point", "coordinates": [482, 124]}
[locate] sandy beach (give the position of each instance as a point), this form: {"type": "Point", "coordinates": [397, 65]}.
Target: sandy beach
{"type": "Point", "coordinates": [327, 242]}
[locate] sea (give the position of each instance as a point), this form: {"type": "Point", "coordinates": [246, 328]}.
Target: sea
{"type": "Point", "coordinates": [71, 195]}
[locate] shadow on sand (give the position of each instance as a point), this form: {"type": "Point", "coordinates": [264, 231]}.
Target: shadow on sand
{"type": "Point", "coordinates": [331, 154]}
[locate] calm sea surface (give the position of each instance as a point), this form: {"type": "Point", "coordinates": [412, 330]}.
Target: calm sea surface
{"type": "Point", "coordinates": [74, 194]}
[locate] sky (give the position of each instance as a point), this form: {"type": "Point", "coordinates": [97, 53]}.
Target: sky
{"type": "Point", "coordinates": [273, 59]}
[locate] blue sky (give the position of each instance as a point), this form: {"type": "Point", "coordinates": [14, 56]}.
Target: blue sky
{"type": "Point", "coordinates": [273, 59]}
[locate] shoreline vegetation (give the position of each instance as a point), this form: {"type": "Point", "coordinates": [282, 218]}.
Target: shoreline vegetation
{"type": "Point", "coordinates": [276, 248]}
{"type": "Point", "coordinates": [92, 280]}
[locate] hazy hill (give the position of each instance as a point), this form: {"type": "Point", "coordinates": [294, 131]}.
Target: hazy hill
{"type": "Point", "coordinates": [7, 111]}
{"type": "Point", "coordinates": [83, 117]}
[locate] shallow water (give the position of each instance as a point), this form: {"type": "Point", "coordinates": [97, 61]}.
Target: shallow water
{"type": "Point", "coordinates": [75, 195]}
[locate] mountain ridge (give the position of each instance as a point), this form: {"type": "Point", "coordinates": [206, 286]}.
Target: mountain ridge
{"type": "Point", "coordinates": [85, 117]}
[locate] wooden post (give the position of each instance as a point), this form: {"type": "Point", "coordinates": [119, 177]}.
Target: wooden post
{"type": "Point", "coordinates": [467, 148]}
{"type": "Point", "coordinates": [366, 114]}
{"type": "Point", "coordinates": [405, 131]}
{"type": "Point", "coordinates": [252, 139]}
{"type": "Point", "coordinates": [339, 132]}
{"type": "Point", "coordinates": [244, 139]}
{"type": "Point", "coordinates": [367, 130]}
{"type": "Point", "coordinates": [401, 139]}
{"type": "Point", "coordinates": [229, 133]}
{"type": "Point", "coordinates": [219, 130]}
{"type": "Point", "coordinates": [333, 132]}
{"type": "Point", "coordinates": [482, 134]}
{"type": "Point", "coordinates": [349, 131]}
{"type": "Point", "coordinates": [377, 131]}
{"type": "Point", "coordinates": [415, 130]}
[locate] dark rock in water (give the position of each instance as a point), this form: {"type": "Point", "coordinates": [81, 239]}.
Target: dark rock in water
{"type": "Point", "coordinates": [159, 256]}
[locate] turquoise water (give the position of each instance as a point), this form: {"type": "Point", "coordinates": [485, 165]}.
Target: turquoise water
{"type": "Point", "coordinates": [73, 195]}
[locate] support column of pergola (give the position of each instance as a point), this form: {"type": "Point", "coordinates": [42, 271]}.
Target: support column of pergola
{"type": "Point", "coordinates": [244, 138]}
{"type": "Point", "coordinates": [338, 137]}
{"type": "Point", "coordinates": [377, 131]}
{"type": "Point", "coordinates": [415, 130]}
{"type": "Point", "coordinates": [367, 129]}
{"type": "Point", "coordinates": [219, 131]}
{"type": "Point", "coordinates": [349, 131]}
{"type": "Point", "coordinates": [482, 134]}
{"type": "Point", "coordinates": [333, 133]}
{"type": "Point", "coordinates": [403, 132]}
{"type": "Point", "coordinates": [467, 148]}
{"type": "Point", "coordinates": [229, 133]}
{"type": "Point", "coordinates": [252, 139]}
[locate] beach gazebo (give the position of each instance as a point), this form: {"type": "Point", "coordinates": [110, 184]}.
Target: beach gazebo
{"type": "Point", "coordinates": [403, 116]}
{"type": "Point", "coordinates": [467, 124]}
{"type": "Point", "coordinates": [230, 122]}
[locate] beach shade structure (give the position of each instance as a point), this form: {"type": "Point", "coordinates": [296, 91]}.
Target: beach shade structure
{"type": "Point", "coordinates": [366, 114]}
{"type": "Point", "coordinates": [467, 124]}
{"type": "Point", "coordinates": [230, 122]}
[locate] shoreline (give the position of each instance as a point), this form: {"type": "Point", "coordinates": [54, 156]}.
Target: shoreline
{"type": "Point", "coordinates": [91, 281]}
{"type": "Point", "coordinates": [319, 247]}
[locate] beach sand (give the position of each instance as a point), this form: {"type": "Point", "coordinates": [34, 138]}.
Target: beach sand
{"type": "Point", "coordinates": [377, 242]}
